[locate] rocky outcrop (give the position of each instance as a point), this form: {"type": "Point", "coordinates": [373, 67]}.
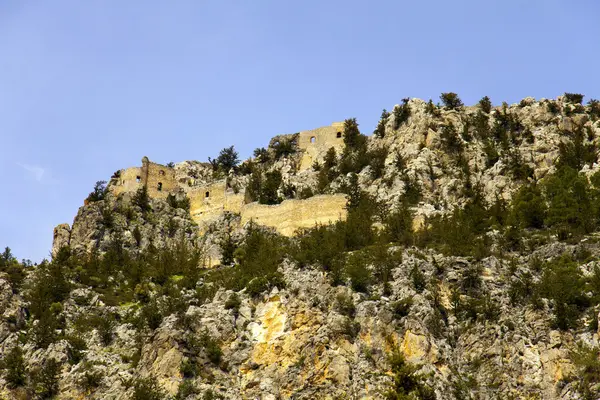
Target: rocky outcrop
{"type": "Point", "coordinates": [306, 337]}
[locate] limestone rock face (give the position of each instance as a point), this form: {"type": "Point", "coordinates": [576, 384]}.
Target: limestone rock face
{"type": "Point", "coordinates": [295, 340]}
{"type": "Point", "coordinates": [61, 238]}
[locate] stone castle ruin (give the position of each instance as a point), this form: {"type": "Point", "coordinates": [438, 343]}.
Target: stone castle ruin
{"type": "Point", "coordinates": [211, 199]}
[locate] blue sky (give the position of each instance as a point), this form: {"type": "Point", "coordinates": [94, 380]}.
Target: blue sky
{"type": "Point", "coordinates": [89, 87]}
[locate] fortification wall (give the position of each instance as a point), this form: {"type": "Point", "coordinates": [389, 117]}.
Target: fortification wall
{"type": "Point", "coordinates": [129, 180]}
{"type": "Point", "coordinates": [159, 179]}
{"type": "Point", "coordinates": [315, 143]}
{"type": "Point", "coordinates": [208, 202]}
{"type": "Point", "coordinates": [292, 215]}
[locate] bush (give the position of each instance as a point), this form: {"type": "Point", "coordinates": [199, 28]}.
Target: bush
{"type": "Point", "coordinates": [284, 148]}
{"type": "Point", "coordinates": [147, 389]}
{"type": "Point", "coordinates": [345, 305]}
{"type": "Point", "coordinates": [418, 279]}
{"type": "Point", "coordinates": [269, 189]}
{"type": "Point", "coordinates": [13, 366]}
{"type": "Point", "coordinates": [528, 207]}
{"type": "Point", "coordinates": [151, 315]}
{"type": "Point", "coordinates": [401, 113]}
{"type": "Point", "coordinates": [228, 159]}
{"type": "Point", "coordinates": [587, 364]}
{"type": "Point", "coordinates": [574, 98]}
{"type": "Point", "coordinates": [183, 202]}
{"type": "Point", "coordinates": [380, 129]}
{"type": "Point", "coordinates": [451, 101]}
{"type": "Point", "coordinates": [401, 308]}
{"type": "Point", "coordinates": [353, 139]}
{"type": "Point", "coordinates": [45, 380]}
{"type": "Point", "coordinates": [570, 205]}
{"type": "Point", "coordinates": [262, 155]}
{"type": "Point", "coordinates": [76, 348]}
{"type": "Point", "coordinates": [485, 104]}
{"type": "Point", "coordinates": [233, 303]}
{"type": "Point", "coordinates": [450, 140]}
{"type": "Point", "coordinates": [106, 328]}
{"type": "Point", "coordinates": [91, 379]}
{"type": "Point", "coordinates": [406, 382]}
{"type": "Point", "coordinates": [99, 192]}
{"type": "Point", "coordinates": [211, 348]}
{"type": "Point", "coordinates": [377, 159]}
{"type": "Point", "coordinates": [185, 390]}
{"type": "Point", "coordinates": [564, 284]}
{"type": "Point", "coordinates": [594, 109]}
{"type": "Point", "coordinates": [357, 271]}
{"type": "Point", "coordinates": [141, 199]}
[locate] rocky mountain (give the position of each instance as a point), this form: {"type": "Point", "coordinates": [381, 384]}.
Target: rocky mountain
{"type": "Point", "coordinates": [465, 265]}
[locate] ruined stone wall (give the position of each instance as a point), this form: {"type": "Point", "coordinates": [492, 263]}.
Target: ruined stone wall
{"type": "Point", "coordinates": [208, 202]}
{"type": "Point", "coordinates": [292, 215]}
{"type": "Point", "coordinates": [159, 179]}
{"type": "Point", "coordinates": [316, 142]}
{"type": "Point", "coordinates": [129, 180]}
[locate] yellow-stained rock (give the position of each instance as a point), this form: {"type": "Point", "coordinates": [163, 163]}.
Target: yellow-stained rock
{"type": "Point", "coordinates": [418, 349]}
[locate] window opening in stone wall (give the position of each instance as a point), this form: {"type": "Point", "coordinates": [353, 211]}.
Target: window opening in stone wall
{"type": "Point", "coordinates": [159, 186]}
{"type": "Point", "coordinates": [338, 135]}
{"type": "Point", "coordinates": [138, 179]}
{"type": "Point", "coordinates": [207, 194]}
{"type": "Point", "coordinates": [313, 139]}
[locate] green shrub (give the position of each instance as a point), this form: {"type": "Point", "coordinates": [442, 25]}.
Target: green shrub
{"type": "Point", "coordinates": [141, 199]}
{"type": "Point", "coordinates": [175, 202]}
{"type": "Point", "coordinates": [147, 389]}
{"type": "Point", "coordinates": [451, 101]}
{"type": "Point", "coordinates": [570, 206]}
{"type": "Point", "coordinates": [564, 284]}
{"type": "Point", "coordinates": [284, 148]}
{"type": "Point", "coordinates": [106, 328]}
{"type": "Point", "coordinates": [91, 378]}
{"type": "Point", "coordinates": [99, 192]}
{"type": "Point", "coordinates": [587, 364]}
{"type": "Point", "coordinates": [233, 303]}
{"type": "Point", "coordinates": [485, 104]}
{"type": "Point", "coordinates": [401, 308]}
{"type": "Point", "coordinates": [188, 368]}
{"type": "Point", "coordinates": [45, 380]}
{"type": "Point", "coordinates": [380, 129]}
{"type": "Point", "coordinates": [345, 305]}
{"type": "Point", "coordinates": [594, 109]}
{"type": "Point", "coordinates": [211, 348]}
{"type": "Point", "coordinates": [306, 193]}
{"type": "Point", "coordinates": [398, 225]}
{"type": "Point", "coordinates": [186, 389]}
{"type": "Point", "coordinates": [357, 271]}
{"type": "Point", "coordinates": [76, 348]}
{"type": "Point", "coordinates": [574, 98]}
{"type": "Point", "coordinates": [377, 162]}
{"type": "Point", "coordinates": [528, 207]}
{"type": "Point", "coordinates": [418, 279]}
{"type": "Point", "coordinates": [401, 113]}
{"type": "Point", "coordinates": [151, 316]}
{"type": "Point", "coordinates": [14, 368]}
{"type": "Point", "coordinates": [270, 187]}
{"type": "Point", "coordinates": [228, 159]}
{"type": "Point", "coordinates": [262, 155]}
{"type": "Point", "coordinates": [407, 383]}
{"type": "Point", "coordinates": [450, 139]}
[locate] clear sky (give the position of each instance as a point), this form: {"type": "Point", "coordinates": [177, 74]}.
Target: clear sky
{"type": "Point", "coordinates": [89, 87]}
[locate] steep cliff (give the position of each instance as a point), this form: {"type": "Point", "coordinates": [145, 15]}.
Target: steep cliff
{"type": "Point", "coordinates": [465, 264]}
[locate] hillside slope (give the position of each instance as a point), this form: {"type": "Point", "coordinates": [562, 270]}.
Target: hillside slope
{"type": "Point", "coordinates": [465, 265]}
